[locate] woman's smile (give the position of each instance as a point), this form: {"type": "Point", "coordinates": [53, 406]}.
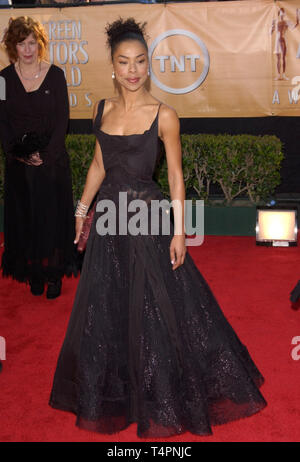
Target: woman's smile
{"type": "Point", "coordinates": [133, 80]}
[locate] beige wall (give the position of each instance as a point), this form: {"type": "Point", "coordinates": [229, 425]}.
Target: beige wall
{"type": "Point", "coordinates": [219, 63]}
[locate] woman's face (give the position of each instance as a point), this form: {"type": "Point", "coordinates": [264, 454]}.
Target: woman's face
{"type": "Point", "coordinates": [28, 50]}
{"type": "Point", "coordinates": [130, 62]}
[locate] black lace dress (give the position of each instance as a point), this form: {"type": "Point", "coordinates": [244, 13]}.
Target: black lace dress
{"type": "Point", "coordinates": [145, 343]}
{"type": "Point", "coordinates": [38, 202]}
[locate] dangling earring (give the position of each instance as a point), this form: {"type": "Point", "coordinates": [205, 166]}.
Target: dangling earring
{"type": "Point", "coordinates": [148, 71]}
{"type": "Point", "coordinates": [113, 75]}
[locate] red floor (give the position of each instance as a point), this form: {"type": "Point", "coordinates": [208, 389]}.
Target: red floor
{"type": "Point", "coordinates": [252, 285]}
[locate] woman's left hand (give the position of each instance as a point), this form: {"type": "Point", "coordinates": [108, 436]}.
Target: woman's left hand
{"type": "Point", "coordinates": [177, 250]}
{"type": "Point", "coordinates": [35, 159]}
{"type": "Point", "coordinates": [78, 228]}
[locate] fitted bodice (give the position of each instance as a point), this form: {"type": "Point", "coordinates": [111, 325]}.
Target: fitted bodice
{"type": "Point", "coordinates": [128, 158]}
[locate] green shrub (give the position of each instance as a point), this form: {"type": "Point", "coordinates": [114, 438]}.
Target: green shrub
{"type": "Point", "coordinates": [81, 151]}
{"type": "Point", "coordinates": [242, 165]}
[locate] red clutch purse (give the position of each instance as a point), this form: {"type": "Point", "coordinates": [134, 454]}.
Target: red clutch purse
{"type": "Point", "coordinates": [81, 246]}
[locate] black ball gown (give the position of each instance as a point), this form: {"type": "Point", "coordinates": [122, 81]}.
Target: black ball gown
{"type": "Point", "coordinates": [144, 343]}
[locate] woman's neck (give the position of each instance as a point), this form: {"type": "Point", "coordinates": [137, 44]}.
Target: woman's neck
{"type": "Point", "coordinates": [130, 100]}
{"type": "Point", "coordinates": [29, 68]}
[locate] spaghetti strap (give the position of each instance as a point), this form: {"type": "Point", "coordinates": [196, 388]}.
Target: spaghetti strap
{"type": "Point", "coordinates": [158, 109]}
{"type": "Point", "coordinates": [97, 120]}
{"type": "Point", "coordinates": [100, 110]}
{"type": "Point", "coordinates": [157, 115]}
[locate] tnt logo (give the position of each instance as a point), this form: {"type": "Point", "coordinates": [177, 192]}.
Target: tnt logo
{"type": "Point", "coordinates": [179, 61]}
{"type": "Point", "coordinates": [2, 349]}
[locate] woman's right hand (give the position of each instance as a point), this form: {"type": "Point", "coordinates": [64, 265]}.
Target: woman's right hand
{"type": "Point", "coordinates": [78, 228]}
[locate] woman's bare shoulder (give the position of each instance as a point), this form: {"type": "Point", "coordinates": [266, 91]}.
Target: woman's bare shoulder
{"type": "Point", "coordinates": [112, 101]}
{"type": "Point", "coordinates": [168, 116]}
{"type": "Point", "coordinates": [106, 101]}
{"type": "Point", "coordinates": [168, 111]}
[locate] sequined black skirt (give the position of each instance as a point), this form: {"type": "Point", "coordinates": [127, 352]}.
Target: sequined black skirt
{"type": "Point", "coordinates": [150, 345]}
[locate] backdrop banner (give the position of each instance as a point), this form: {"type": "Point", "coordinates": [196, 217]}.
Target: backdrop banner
{"type": "Point", "coordinates": [214, 59]}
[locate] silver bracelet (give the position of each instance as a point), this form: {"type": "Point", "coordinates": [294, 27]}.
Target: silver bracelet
{"type": "Point", "coordinates": [81, 210]}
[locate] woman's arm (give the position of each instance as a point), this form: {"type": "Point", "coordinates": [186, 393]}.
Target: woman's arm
{"type": "Point", "coordinates": [169, 132]}
{"type": "Point", "coordinates": [95, 176]}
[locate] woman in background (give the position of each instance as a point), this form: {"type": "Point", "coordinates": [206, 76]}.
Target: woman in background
{"type": "Point", "coordinates": [38, 203]}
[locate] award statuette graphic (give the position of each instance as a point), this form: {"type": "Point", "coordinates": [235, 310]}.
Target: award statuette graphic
{"type": "Point", "coordinates": [281, 26]}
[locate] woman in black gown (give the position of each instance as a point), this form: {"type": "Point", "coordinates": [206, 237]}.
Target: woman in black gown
{"type": "Point", "coordinates": [146, 341]}
{"type": "Point", "coordinates": [38, 203]}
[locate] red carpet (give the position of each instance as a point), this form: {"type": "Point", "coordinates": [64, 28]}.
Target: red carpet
{"type": "Point", "coordinates": [252, 285]}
